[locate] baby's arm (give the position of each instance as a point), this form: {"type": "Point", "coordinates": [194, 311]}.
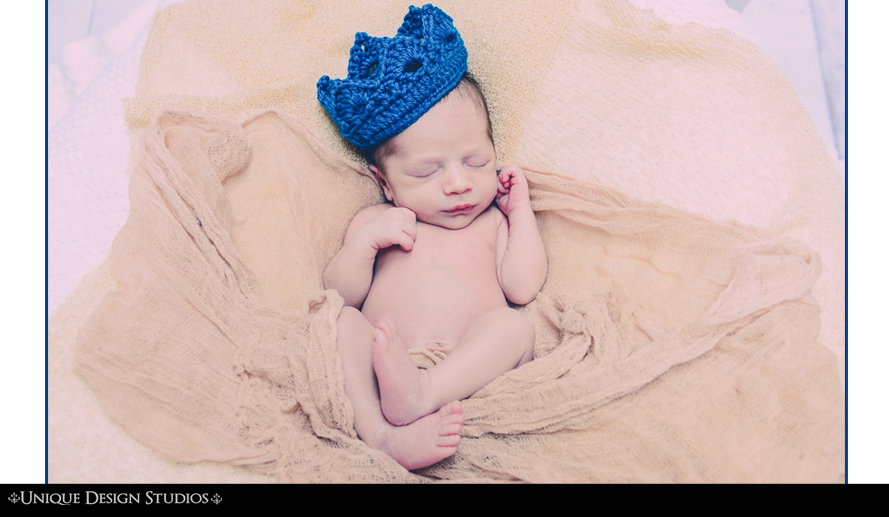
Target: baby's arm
{"type": "Point", "coordinates": [522, 266]}
{"type": "Point", "coordinates": [375, 228]}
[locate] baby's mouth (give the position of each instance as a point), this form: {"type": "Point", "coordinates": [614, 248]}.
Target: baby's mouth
{"type": "Point", "coordinates": [461, 209]}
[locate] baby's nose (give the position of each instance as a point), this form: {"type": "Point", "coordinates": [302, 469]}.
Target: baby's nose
{"type": "Point", "coordinates": [458, 182]}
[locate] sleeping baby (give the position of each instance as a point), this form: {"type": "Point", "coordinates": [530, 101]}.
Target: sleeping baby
{"type": "Point", "coordinates": [432, 269]}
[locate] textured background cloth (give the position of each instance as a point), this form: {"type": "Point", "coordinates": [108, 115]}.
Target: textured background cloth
{"type": "Point", "coordinates": [663, 103]}
{"type": "Point", "coordinates": [696, 118]}
{"type": "Point", "coordinates": [220, 343]}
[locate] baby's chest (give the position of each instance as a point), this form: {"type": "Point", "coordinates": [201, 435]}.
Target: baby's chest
{"type": "Point", "coordinates": [472, 245]}
{"type": "Point", "coordinates": [449, 274]}
{"type": "Point", "coordinates": [468, 252]}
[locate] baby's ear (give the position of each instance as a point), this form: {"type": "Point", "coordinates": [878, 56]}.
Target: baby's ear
{"type": "Point", "coordinates": [382, 181]}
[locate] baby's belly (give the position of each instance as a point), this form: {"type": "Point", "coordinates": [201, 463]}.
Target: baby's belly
{"type": "Point", "coordinates": [434, 297]}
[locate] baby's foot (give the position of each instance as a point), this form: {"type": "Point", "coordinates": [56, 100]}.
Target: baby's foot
{"type": "Point", "coordinates": [404, 388]}
{"type": "Point", "coordinates": [424, 442]}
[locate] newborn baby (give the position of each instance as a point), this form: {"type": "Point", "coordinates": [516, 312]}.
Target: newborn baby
{"type": "Point", "coordinates": [432, 269]}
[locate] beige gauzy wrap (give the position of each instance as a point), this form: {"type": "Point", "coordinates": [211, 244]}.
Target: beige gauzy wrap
{"type": "Point", "coordinates": [669, 347]}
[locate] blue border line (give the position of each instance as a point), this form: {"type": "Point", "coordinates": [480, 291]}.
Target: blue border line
{"type": "Point", "coordinates": [46, 243]}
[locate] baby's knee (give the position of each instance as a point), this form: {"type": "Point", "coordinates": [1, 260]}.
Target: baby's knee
{"type": "Point", "coordinates": [521, 330]}
{"type": "Point", "coordinates": [349, 317]}
{"type": "Point", "coordinates": [352, 327]}
{"type": "Point", "coordinates": [527, 337]}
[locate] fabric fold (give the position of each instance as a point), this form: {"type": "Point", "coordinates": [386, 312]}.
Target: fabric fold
{"type": "Point", "coordinates": [220, 344]}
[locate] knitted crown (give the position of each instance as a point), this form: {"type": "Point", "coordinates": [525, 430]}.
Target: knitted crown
{"type": "Point", "coordinates": [392, 82]}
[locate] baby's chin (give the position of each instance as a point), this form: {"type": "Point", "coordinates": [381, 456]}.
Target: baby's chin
{"type": "Point", "coordinates": [452, 224]}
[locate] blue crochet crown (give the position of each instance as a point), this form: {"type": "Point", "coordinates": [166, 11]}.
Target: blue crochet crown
{"type": "Point", "coordinates": [392, 82]}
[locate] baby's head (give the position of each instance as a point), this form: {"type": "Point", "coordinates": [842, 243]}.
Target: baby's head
{"type": "Point", "coordinates": [467, 89]}
{"type": "Point", "coordinates": [442, 167]}
{"type": "Point", "coordinates": [419, 119]}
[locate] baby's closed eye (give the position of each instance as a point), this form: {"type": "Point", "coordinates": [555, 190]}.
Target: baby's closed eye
{"type": "Point", "coordinates": [425, 172]}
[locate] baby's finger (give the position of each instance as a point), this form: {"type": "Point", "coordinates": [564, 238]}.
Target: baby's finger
{"type": "Point", "coordinates": [411, 231]}
{"type": "Point", "coordinates": [519, 177]}
{"type": "Point", "coordinates": [502, 201]}
{"type": "Point", "coordinates": [406, 241]}
{"type": "Point", "coordinates": [407, 221]}
{"type": "Point", "coordinates": [407, 213]}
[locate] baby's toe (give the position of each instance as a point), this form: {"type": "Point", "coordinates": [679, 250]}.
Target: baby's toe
{"type": "Point", "coordinates": [450, 429]}
{"type": "Point", "coordinates": [451, 440]}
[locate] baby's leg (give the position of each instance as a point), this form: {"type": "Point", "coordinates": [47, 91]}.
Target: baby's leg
{"type": "Point", "coordinates": [424, 442]}
{"type": "Point", "coordinates": [495, 343]}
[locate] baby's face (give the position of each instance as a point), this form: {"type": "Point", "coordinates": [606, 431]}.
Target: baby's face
{"type": "Point", "coordinates": [444, 165]}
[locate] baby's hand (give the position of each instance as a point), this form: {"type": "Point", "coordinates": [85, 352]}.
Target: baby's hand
{"type": "Point", "coordinates": [512, 190]}
{"type": "Point", "coordinates": [393, 227]}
